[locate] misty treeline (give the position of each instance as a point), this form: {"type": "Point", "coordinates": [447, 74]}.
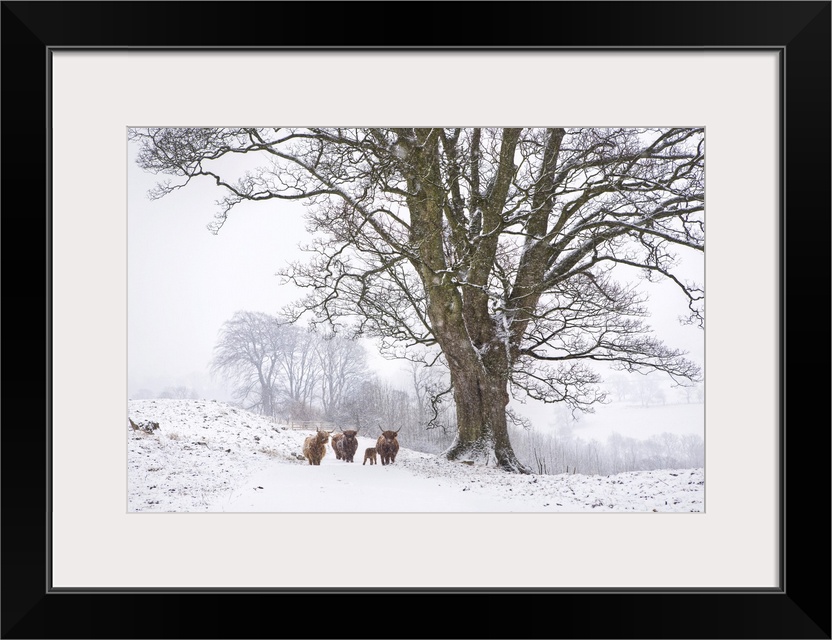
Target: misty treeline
{"type": "Point", "coordinates": [294, 374]}
{"type": "Point", "coordinates": [647, 391]}
{"type": "Point", "coordinates": [511, 250]}
{"type": "Point", "coordinates": [561, 451]}
{"type": "Point", "coordinates": [177, 392]}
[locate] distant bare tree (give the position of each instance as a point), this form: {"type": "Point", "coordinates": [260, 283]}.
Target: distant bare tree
{"type": "Point", "coordinates": [271, 364]}
{"type": "Point", "coordinates": [180, 392]}
{"type": "Point", "coordinates": [376, 403]}
{"type": "Point", "coordinates": [298, 369]}
{"type": "Point", "coordinates": [622, 386]}
{"type": "Point", "coordinates": [343, 366]}
{"type": "Point", "coordinates": [359, 408]}
{"type": "Point", "coordinates": [649, 391]}
{"type": "Point", "coordinates": [691, 393]}
{"type": "Point", "coordinates": [246, 354]}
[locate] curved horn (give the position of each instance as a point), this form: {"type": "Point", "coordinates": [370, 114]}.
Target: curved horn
{"type": "Point", "coordinates": [399, 429]}
{"type": "Point", "coordinates": [380, 429]}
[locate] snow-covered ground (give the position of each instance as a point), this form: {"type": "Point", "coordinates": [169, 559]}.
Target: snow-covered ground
{"type": "Point", "coordinates": [209, 456]}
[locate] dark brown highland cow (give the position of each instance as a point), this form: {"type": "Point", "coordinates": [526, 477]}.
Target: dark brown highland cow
{"type": "Point", "coordinates": [387, 446]}
{"type": "Point", "coordinates": [345, 444]}
{"type": "Point", "coordinates": [369, 454]}
{"type": "Point", "coordinates": [314, 447]}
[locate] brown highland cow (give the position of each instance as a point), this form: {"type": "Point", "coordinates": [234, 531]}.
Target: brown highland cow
{"type": "Point", "coordinates": [345, 444]}
{"type": "Point", "coordinates": [334, 442]}
{"type": "Point", "coordinates": [314, 447]}
{"type": "Point", "coordinates": [387, 446]}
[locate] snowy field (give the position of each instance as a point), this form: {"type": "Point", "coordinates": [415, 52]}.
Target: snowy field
{"type": "Point", "coordinates": [207, 456]}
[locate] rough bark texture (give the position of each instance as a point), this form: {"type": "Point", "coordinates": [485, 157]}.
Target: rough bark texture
{"type": "Point", "coordinates": [482, 428]}
{"type": "Point", "coordinates": [478, 363]}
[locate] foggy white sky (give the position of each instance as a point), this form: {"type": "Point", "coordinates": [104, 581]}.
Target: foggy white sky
{"type": "Point", "coordinates": [184, 282]}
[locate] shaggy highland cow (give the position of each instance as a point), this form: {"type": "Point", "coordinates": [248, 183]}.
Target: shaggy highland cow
{"type": "Point", "coordinates": [314, 447]}
{"type": "Point", "coordinates": [334, 443]}
{"type": "Point", "coordinates": [369, 454]}
{"type": "Point", "coordinates": [387, 446]}
{"type": "Point", "coordinates": [345, 444]}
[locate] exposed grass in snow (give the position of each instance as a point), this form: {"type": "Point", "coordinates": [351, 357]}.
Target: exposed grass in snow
{"type": "Point", "coordinates": [209, 456]}
{"type": "Point", "coordinates": [201, 449]}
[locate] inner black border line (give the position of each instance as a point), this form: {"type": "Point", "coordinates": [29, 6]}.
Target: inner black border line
{"type": "Point", "coordinates": [781, 589]}
{"type": "Point", "coordinates": [781, 329]}
{"type": "Point", "coordinates": [418, 49]}
{"type": "Point", "coordinates": [49, 289]}
{"type": "Point", "coordinates": [414, 590]}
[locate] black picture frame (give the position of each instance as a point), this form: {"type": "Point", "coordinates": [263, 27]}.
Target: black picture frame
{"type": "Point", "coordinates": [799, 31]}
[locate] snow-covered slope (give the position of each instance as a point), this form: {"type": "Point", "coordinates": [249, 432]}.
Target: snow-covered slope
{"type": "Point", "coordinates": [209, 456]}
{"type": "Point", "coordinates": [201, 449]}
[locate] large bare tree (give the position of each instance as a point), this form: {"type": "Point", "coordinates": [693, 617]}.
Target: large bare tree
{"type": "Point", "coordinates": [500, 246]}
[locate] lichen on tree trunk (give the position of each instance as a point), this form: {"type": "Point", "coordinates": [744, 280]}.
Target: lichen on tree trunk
{"type": "Point", "coordinates": [482, 427]}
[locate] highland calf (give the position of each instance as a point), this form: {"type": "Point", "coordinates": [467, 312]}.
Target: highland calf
{"type": "Point", "coordinates": [387, 446]}
{"type": "Point", "coordinates": [314, 447]}
{"type": "Point", "coordinates": [345, 444]}
{"type": "Point", "coordinates": [369, 454]}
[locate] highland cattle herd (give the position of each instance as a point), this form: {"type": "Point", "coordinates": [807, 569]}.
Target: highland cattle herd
{"type": "Point", "coordinates": [345, 446]}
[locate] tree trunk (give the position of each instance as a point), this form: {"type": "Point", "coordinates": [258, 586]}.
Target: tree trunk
{"type": "Point", "coordinates": [463, 327]}
{"type": "Point", "coordinates": [482, 428]}
{"type": "Point", "coordinates": [268, 405]}
{"type": "Point", "coordinates": [265, 395]}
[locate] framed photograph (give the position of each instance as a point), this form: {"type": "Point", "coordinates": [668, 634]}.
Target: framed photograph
{"type": "Point", "coordinates": [700, 126]}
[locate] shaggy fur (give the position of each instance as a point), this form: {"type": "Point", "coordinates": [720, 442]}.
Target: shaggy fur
{"type": "Point", "coordinates": [314, 447]}
{"type": "Point", "coordinates": [369, 454]}
{"type": "Point", "coordinates": [387, 446]}
{"type": "Point", "coordinates": [335, 440]}
{"type": "Point", "coordinates": [345, 444]}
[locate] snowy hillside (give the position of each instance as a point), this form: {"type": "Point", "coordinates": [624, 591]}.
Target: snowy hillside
{"type": "Point", "coordinates": [209, 456]}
